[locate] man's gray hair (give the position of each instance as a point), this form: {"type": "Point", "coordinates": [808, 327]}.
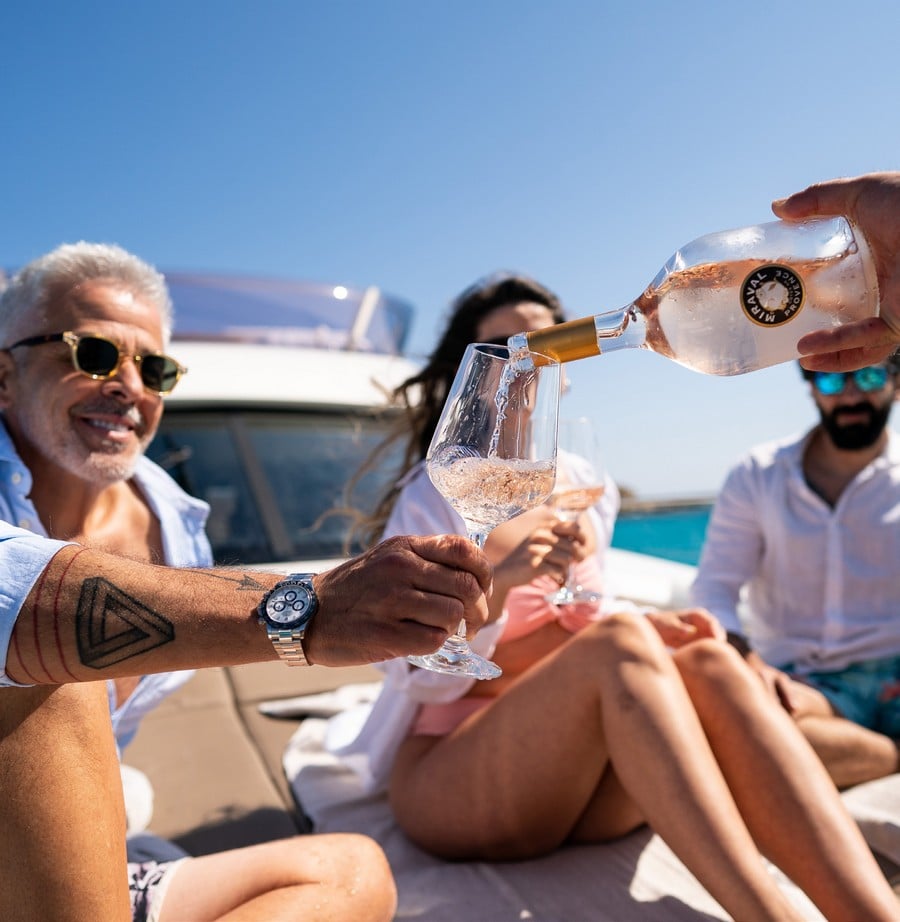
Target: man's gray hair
{"type": "Point", "coordinates": [36, 286]}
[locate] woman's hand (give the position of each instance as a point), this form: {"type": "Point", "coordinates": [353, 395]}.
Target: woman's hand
{"type": "Point", "coordinates": [532, 545]}
{"type": "Point", "coordinates": [685, 625]}
{"type": "Point", "coordinates": [547, 550]}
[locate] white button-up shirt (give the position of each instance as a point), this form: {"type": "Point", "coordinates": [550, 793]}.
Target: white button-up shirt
{"type": "Point", "coordinates": [822, 584]}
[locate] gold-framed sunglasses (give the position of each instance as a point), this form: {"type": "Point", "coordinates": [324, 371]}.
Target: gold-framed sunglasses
{"type": "Point", "coordinates": [99, 358]}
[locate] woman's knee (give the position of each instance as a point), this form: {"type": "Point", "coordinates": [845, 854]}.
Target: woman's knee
{"type": "Point", "coordinates": [711, 663]}
{"type": "Point", "coordinates": [618, 638]}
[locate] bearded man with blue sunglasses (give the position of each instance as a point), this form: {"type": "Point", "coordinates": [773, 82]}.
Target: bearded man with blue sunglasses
{"type": "Point", "coordinates": [802, 566]}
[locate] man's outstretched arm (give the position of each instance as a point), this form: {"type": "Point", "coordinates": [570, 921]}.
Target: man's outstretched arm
{"type": "Point", "coordinates": [91, 615]}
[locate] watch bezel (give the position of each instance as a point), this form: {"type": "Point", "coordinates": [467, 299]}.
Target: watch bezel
{"type": "Point", "coordinates": [287, 637]}
{"type": "Point", "coordinates": [302, 581]}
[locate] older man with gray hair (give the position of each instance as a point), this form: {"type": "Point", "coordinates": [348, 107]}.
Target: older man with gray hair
{"type": "Point", "coordinates": [87, 524]}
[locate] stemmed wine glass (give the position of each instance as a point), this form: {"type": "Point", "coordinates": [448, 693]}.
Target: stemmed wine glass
{"type": "Point", "coordinates": [492, 456]}
{"type": "Point", "coordinates": [580, 483]}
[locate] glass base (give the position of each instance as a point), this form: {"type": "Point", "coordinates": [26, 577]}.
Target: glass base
{"type": "Point", "coordinates": [465, 663]}
{"type": "Point", "coordinates": [567, 596]}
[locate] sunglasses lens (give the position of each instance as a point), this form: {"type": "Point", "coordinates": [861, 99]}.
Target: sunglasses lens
{"type": "Point", "coordinates": [159, 373]}
{"type": "Point", "coordinates": [872, 378]}
{"type": "Point", "coordinates": [96, 356]}
{"type": "Point", "coordinates": [829, 382]}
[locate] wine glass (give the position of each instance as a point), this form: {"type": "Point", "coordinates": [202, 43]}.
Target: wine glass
{"type": "Point", "coordinates": [492, 456]}
{"type": "Point", "coordinates": [580, 483]}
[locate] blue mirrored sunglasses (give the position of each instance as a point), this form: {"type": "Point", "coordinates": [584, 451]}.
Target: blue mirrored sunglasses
{"type": "Point", "coordinates": [871, 378]}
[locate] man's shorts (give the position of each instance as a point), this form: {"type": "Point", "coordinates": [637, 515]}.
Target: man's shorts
{"type": "Point", "coordinates": [867, 693]}
{"type": "Point", "coordinates": [147, 885]}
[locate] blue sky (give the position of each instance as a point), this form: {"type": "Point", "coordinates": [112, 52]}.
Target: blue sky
{"type": "Point", "coordinates": [417, 145]}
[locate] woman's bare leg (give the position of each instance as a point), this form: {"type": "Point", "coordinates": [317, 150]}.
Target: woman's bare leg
{"type": "Point", "coordinates": [62, 834]}
{"type": "Point", "coordinates": [316, 878]}
{"type": "Point", "coordinates": [773, 772]}
{"type": "Point", "coordinates": [609, 697]}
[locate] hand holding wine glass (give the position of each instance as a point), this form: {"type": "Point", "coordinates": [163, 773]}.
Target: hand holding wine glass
{"type": "Point", "coordinates": [492, 456]}
{"type": "Point", "coordinates": [580, 483]}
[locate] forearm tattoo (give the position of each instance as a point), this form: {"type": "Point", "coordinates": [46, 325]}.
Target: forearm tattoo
{"type": "Point", "coordinates": [244, 583]}
{"type": "Point", "coordinates": [112, 626]}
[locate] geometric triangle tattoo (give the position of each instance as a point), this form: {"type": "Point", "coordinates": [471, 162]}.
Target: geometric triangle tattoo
{"type": "Point", "coordinates": [112, 627]}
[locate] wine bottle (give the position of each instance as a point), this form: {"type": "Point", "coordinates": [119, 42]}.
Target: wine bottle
{"type": "Point", "coordinates": [730, 302]}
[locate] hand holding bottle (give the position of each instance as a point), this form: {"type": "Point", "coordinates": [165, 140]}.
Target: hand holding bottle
{"type": "Point", "coordinates": [731, 302]}
{"type": "Point", "coordinates": [872, 203]}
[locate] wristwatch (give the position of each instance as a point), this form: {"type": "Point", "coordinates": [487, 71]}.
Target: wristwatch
{"type": "Point", "coordinates": [286, 611]}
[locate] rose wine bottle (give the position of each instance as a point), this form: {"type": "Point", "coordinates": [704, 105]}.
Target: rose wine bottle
{"type": "Point", "coordinates": [730, 302]}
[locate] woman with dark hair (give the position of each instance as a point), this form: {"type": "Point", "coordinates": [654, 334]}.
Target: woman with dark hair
{"type": "Point", "coordinates": [595, 727]}
{"type": "Point", "coordinates": [422, 396]}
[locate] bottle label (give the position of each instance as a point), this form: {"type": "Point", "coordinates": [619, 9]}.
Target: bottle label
{"type": "Point", "coordinates": [772, 295]}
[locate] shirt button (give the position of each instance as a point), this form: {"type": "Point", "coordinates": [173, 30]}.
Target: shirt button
{"type": "Point", "coordinates": [24, 523]}
{"type": "Point", "coordinates": [16, 477]}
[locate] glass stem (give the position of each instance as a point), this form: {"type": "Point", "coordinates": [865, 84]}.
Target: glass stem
{"type": "Point", "coordinates": [477, 538]}
{"type": "Point", "coordinates": [566, 515]}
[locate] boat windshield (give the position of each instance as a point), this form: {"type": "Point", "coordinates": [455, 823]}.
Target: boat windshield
{"type": "Point", "coordinates": [276, 482]}
{"type": "Point", "coordinates": [288, 312]}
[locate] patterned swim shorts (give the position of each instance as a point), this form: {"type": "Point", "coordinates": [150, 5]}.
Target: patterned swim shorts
{"type": "Point", "coordinates": [147, 885]}
{"type": "Point", "coordinates": [867, 693]}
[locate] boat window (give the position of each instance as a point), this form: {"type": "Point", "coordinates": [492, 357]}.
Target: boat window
{"type": "Point", "coordinates": [276, 482]}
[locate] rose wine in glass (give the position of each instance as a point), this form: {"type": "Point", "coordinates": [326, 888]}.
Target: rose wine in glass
{"type": "Point", "coordinates": [580, 483]}
{"type": "Point", "coordinates": [492, 456]}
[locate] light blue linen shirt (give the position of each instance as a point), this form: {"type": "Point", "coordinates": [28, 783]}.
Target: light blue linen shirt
{"type": "Point", "coordinates": [25, 551]}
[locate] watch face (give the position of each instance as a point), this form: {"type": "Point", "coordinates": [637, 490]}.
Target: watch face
{"type": "Point", "coordinates": [288, 604]}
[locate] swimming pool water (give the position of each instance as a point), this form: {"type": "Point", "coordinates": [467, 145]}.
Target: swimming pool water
{"type": "Point", "coordinates": [675, 533]}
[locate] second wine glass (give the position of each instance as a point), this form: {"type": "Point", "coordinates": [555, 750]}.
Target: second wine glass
{"type": "Point", "coordinates": [580, 483]}
{"type": "Point", "coordinates": [492, 456]}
